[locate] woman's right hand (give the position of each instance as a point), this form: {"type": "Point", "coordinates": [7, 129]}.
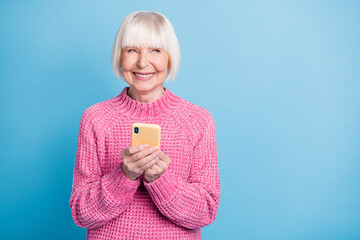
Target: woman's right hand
{"type": "Point", "coordinates": [137, 159]}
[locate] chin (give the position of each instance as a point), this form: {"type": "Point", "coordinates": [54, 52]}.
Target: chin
{"type": "Point", "coordinates": [142, 88]}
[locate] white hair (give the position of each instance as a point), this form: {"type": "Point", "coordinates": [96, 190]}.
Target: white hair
{"type": "Point", "coordinates": [146, 29]}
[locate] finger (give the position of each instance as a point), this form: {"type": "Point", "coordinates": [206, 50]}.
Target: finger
{"type": "Point", "coordinates": [164, 157]}
{"type": "Point", "coordinates": [143, 161]}
{"type": "Point", "coordinates": [155, 169]}
{"type": "Point", "coordinates": [161, 164]}
{"type": "Point", "coordinates": [136, 148]}
{"type": "Point", "coordinates": [150, 165]}
{"type": "Point", "coordinates": [143, 153]}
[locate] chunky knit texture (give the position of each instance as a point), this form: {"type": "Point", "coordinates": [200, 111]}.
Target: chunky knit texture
{"type": "Point", "coordinates": [177, 204]}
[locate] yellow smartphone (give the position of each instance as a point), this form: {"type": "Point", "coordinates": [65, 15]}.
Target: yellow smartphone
{"type": "Point", "coordinates": [143, 133]}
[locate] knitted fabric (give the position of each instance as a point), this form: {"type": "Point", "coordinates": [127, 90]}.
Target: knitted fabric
{"type": "Point", "coordinates": [174, 206]}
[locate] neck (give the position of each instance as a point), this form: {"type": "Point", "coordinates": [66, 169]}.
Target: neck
{"type": "Point", "coordinates": [145, 97]}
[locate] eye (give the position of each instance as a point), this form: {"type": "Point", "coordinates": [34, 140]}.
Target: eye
{"type": "Point", "coordinates": [131, 50]}
{"type": "Point", "coordinates": [156, 50]}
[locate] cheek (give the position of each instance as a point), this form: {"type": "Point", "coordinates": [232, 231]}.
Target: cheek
{"type": "Point", "coordinates": [162, 64]}
{"type": "Point", "coordinates": [126, 63]}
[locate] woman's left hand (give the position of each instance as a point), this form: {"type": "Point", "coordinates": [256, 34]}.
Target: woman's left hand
{"type": "Point", "coordinates": [158, 168]}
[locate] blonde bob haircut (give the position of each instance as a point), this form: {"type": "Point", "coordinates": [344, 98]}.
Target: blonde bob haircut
{"type": "Point", "coordinates": [146, 29]}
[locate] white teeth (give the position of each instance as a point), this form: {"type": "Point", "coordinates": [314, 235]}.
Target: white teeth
{"type": "Point", "coordinates": [143, 75]}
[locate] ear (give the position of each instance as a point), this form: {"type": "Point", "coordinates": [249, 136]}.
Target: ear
{"type": "Point", "coordinates": [169, 64]}
{"type": "Point", "coordinates": [169, 61]}
{"type": "Point", "coordinates": [120, 65]}
{"type": "Point", "coordinates": [121, 57]}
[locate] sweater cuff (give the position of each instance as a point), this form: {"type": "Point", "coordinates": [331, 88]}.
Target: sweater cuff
{"type": "Point", "coordinates": [117, 184]}
{"type": "Point", "coordinates": [163, 189]}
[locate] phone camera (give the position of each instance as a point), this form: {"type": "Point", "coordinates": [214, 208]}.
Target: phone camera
{"type": "Point", "coordinates": [136, 130]}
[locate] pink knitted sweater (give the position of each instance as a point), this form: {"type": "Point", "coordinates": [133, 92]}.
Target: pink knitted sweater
{"type": "Point", "coordinates": [177, 204]}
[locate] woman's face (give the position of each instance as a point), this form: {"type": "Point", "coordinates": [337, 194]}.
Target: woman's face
{"type": "Point", "coordinates": [144, 69]}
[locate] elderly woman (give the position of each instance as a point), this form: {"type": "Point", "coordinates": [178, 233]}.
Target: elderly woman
{"type": "Point", "coordinates": [142, 192]}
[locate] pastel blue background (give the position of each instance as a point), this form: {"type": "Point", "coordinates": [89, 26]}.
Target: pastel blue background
{"type": "Point", "coordinates": [281, 78]}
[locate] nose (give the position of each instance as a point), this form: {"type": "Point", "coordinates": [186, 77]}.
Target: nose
{"type": "Point", "coordinates": [143, 60]}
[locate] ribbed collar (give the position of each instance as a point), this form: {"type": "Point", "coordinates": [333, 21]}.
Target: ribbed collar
{"type": "Point", "coordinates": [126, 105]}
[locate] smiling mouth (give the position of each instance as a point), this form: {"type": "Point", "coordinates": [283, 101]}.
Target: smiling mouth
{"type": "Point", "coordinates": [143, 75]}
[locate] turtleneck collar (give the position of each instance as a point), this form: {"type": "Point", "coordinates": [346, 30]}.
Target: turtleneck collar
{"type": "Point", "coordinates": [126, 105]}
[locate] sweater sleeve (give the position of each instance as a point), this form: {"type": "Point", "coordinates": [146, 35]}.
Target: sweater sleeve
{"type": "Point", "coordinates": [193, 203]}
{"type": "Point", "coordinates": [96, 198]}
